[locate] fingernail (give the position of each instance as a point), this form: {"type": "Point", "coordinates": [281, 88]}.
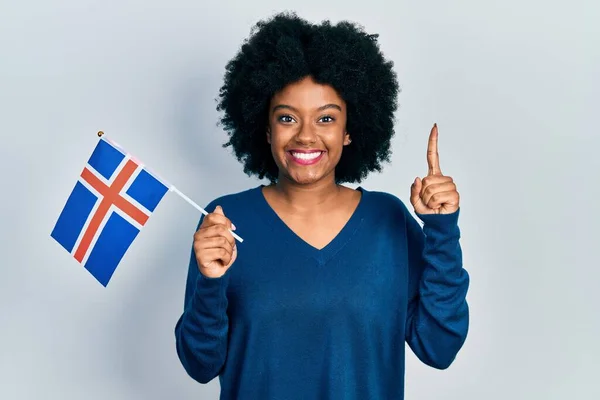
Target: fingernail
{"type": "Point", "coordinates": [233, 226]}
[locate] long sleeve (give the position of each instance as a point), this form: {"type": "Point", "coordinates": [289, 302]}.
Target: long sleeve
{"type": "Point", "coordinates": [438, 314]}
{"type": "Point", "coordinates": [201, 331]}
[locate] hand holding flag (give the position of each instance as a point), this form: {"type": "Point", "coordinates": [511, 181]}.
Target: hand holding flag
{"type": "Point", "coordinates": [112, 200]}
{"type": "Point", "coordinates": [214, 244]}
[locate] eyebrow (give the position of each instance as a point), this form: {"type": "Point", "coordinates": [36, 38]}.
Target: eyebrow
{"type": "Point", "coordinates": [286, 106]}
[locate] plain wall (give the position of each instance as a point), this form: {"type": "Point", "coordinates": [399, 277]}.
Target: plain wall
{"type": "Point", "coordinates": [513, 86]}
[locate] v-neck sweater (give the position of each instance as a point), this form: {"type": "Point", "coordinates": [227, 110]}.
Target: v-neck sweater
{"type": "Point", "coordinates": [289, 321]}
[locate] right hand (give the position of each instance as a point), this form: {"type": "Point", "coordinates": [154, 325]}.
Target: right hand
{"type": "Point", "coordinates": [214, 245]}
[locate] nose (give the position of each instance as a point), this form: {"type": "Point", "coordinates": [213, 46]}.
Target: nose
{"type": "Point", "coordinates": [306, 135]}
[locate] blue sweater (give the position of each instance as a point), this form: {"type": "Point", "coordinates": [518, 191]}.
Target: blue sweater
{"type": "Point", "coordinates": [288, 321]}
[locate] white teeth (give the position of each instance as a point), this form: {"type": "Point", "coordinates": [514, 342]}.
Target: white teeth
{"type": "Point", "coordinates": [306, 156]}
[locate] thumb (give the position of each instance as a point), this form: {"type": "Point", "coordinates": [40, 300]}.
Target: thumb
{"type": "Point", "coordinates": [415, 190]}
{"type": "Point", "coordinates": [219, 210]}
{"type": "Point", "coordinates": [415, 196]}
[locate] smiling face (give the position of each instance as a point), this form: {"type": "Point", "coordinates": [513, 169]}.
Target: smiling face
{"type": "Point", "coordinates": [307, 123]}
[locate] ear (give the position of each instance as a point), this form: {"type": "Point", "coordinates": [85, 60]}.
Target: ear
{"type": "Point", "coordinates": [268, 135]}
{"type": "Point", "coordinates": [347, 139]}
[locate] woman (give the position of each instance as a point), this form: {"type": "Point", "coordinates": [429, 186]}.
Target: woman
{"type": "Point", "coordinates": [330, 282]}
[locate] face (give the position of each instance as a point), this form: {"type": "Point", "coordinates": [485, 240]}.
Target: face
{"type": "Point", "coordinates": [307, 123]}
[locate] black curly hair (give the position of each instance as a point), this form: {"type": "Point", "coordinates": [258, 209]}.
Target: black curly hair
{"type": "Point", "coordinates": [286, 48]}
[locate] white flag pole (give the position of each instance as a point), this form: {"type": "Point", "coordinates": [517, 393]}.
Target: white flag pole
{"type": "Point", "coordinates": [183, 196]}
{"type": "Point", "coordinates": [197, 207]}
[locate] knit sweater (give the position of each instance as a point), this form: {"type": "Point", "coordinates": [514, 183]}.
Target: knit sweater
{"type": "Point", "coordinates": [289, 321]}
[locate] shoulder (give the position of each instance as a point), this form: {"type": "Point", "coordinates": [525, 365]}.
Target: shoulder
{"type": "Point", "coordinates": [239, 207]}
{"type": "Point", "coordinates": [235, 201]}
{"type": "Point", "coordinates": [384, 201]}
{"type": "Point", "coordinates": [386, 215]}
{"type": "Point", "coordinates": [235, 198]}
{"type": "Point", "coordinates": [383, 208]}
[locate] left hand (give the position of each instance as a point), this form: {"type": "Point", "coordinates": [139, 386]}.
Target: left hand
{"type": "Point", "coordinates": [436, 193]}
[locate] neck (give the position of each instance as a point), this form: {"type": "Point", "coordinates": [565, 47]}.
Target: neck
{"type": "Point", "coordinates": [310, 197]}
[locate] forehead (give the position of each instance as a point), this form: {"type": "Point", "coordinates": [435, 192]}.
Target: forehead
{"type": "Point", "coordinates": [307, 93]}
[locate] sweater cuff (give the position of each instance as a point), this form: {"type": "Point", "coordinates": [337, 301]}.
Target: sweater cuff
{"type": "Point", "coordinates": [213, 287]}
{"type": "Point", "coordinates": [440, 222]}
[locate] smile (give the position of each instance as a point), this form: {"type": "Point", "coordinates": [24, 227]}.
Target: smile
{"type": "Point", "coordinates": [306, 158]}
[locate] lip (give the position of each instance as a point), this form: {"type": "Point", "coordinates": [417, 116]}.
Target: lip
{"type": "Point", "coordinates": [304, 151]}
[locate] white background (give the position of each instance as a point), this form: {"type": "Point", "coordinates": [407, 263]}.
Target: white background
{"type": "Point", "coordinates": [514, 88]}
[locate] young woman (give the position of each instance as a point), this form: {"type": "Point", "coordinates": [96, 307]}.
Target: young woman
{"type": "Point", "coordinates": [329, 283]}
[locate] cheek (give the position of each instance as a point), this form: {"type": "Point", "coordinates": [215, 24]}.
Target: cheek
{"type": "Point", "coordinates": [335, 140]}
{"type": "Point", "coordinates": [277, 144]}
{"type": "Point", "coordinates": [280, 138]}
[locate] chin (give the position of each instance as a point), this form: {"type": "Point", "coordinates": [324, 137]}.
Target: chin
{"type": "Point", "coordinates": [306, 181]}
{"type": "Point", "coordinates": [302, 179]}
{"type": "Point", "coordinates": [305, 177]}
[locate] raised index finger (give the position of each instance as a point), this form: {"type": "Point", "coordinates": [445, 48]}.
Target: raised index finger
{"type": "Point", "coordinates": [433, 161]}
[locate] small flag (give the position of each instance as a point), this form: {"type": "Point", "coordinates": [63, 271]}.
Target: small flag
{"type": "Point", "coordinates": [112, 200]}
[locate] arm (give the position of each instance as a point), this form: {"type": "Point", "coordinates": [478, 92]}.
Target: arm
{"type": "Point", "coordinates": [438, 314]}
{"type": "Point", "coordinates": [201, 331]}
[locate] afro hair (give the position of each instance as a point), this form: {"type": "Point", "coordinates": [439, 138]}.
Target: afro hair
{"type": "Point", "coordinates": [284, 49]}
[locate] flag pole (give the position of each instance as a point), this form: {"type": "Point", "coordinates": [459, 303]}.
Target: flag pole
{"type": "Point", "coordinates": [197, 207]}
{"type": "Point", "coordinates": [187, 199]}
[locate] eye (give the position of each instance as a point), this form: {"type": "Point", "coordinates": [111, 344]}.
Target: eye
{"type": "Point", "coordinates": [286, 119]}
{"type": "Point", "coordinates": [326, 118]}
